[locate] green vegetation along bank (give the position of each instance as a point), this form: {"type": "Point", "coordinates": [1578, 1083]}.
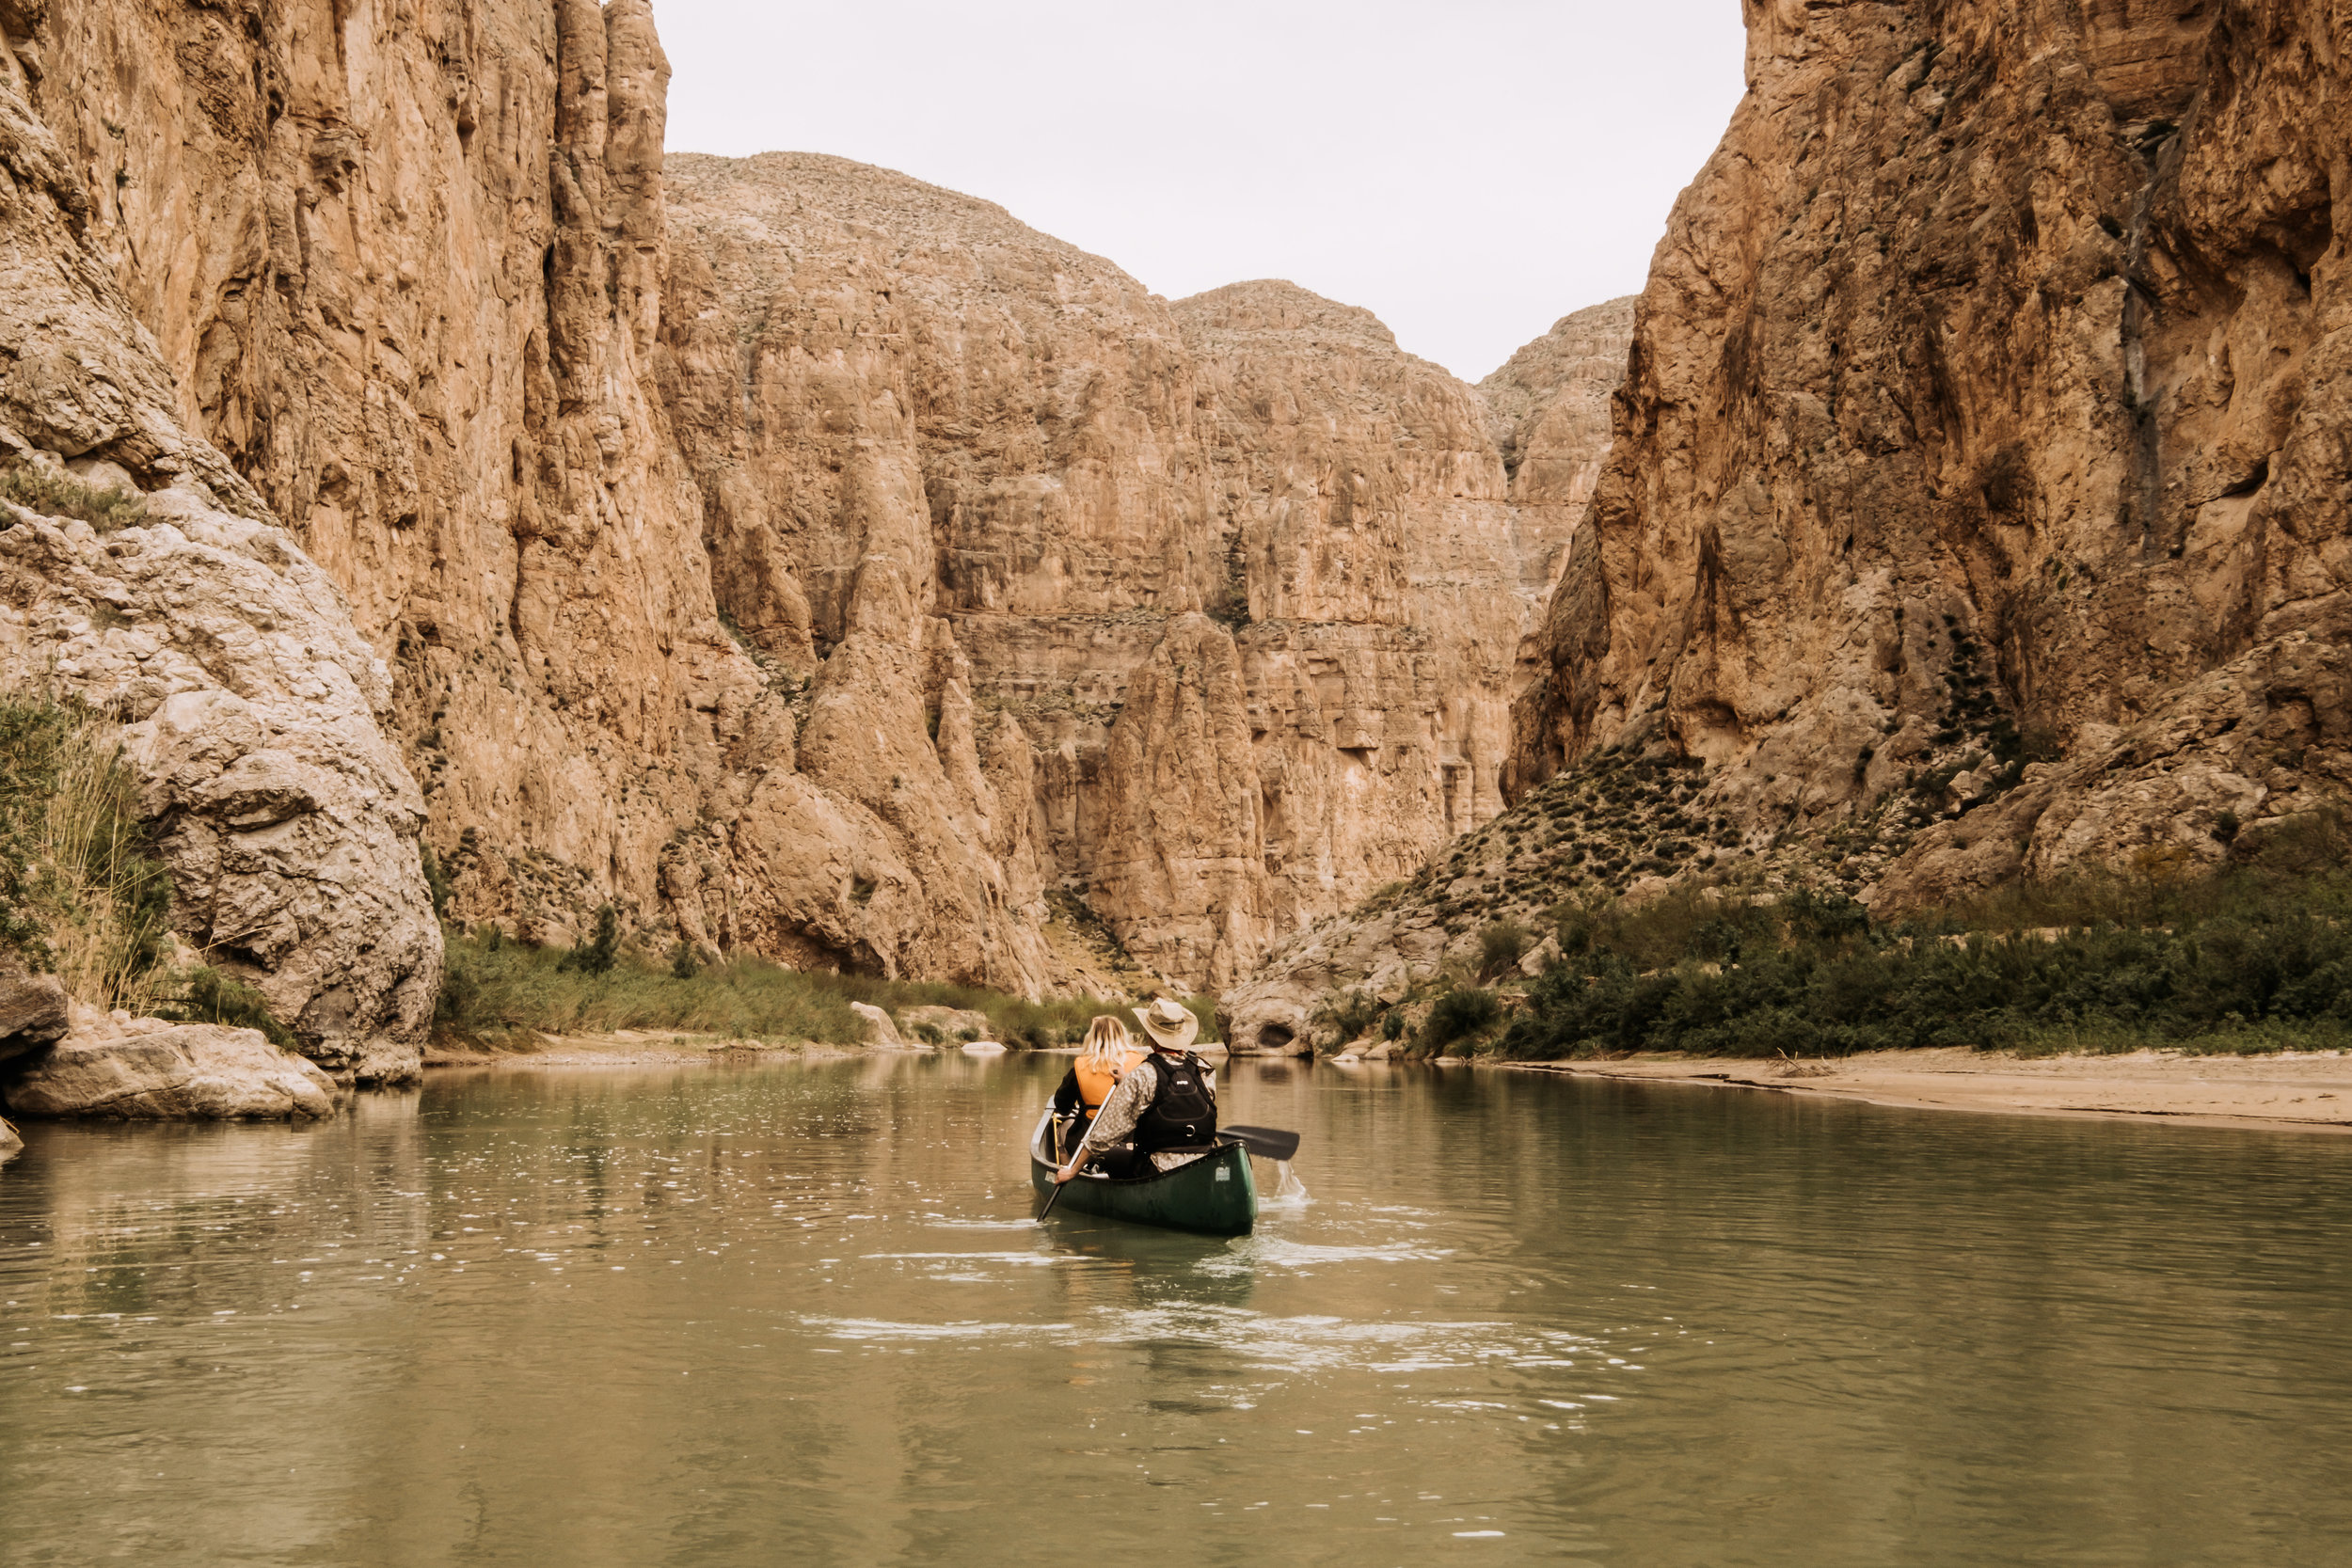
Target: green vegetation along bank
{"type": "Point", "coordinates": [2256, 956]}
{"type": "Point", "coordinates": [499, 994]}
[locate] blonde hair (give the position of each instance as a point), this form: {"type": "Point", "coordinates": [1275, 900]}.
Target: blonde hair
{"type": "Point", "coordinates": [1107, 1044]}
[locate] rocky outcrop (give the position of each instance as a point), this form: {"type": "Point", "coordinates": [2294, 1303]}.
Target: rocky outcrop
{"type": "Point", "coordinates": [32, 1013]}
{"type": "Point", "coordinates": [1228, 592]}
{"type": "Point", "coordinates": [1986, 411]}
{"type": "Point", "coordinates": [286, 819]}
{"type": "Point", "coordinates": [1376, 578]}
{"type": "Point", "coordinates": [122, 1068]}
{"type": "Point", "coordinates": [944, 1025]}
{"type": "Point", "coordinates": [770, 545]}
{"type": "Point", "coordinates": [288, 824]}
{"type": "Point", "coordinates": [1549, 412]}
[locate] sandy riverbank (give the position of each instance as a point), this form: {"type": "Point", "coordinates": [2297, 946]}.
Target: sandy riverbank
{"type": "Point", "coordinates": [629, 1048]}
{"type": "Point", "coordinates": [2295, 1092]}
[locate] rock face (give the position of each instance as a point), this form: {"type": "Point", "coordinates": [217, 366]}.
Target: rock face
{"type": "Point", "coordinates": [1373, 567]}
{"type": "Point", "coordinates": [32, 1013]}
{"type": "Point", "coordinates": [288, 822]}
{"type": "Point", "coordinates": [146, 1070]}
{"type": "Point", "coordinates": [404, 264]}
{"type": "Point", "coordinates": [1228, 593]}
{"type": "Point", "coordinates": [1987, 407]}
{"type": "Point", "coordinates": [810, 560]}
{"type": "Point", "coordinates": [1548, 411]}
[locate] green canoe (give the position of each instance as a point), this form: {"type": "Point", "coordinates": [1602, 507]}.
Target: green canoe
{"type": "Point", "coordinates": [1215, 1194]}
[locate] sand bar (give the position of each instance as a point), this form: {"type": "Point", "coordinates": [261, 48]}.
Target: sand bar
{"type": "Point", "coordinates": [2294, 1091]}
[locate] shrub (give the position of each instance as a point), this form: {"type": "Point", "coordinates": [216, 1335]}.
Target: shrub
{"type": "Point", "coordinates": [1352, 1014]}
{"type": "Point", "coordinates": [213, 997]}
{"type": "Point", "coordinates": [684, 965]}
{"type": "Point", "coordinates": [597, 955]}
{"type": "Point", "coordinates": [2246, 958]}
{"type": "Point", "coordinates": [1458, 1014]}
{"type": "Point", "coordinates": [1500, 947]}
{"type": "Point", "coordinates": [435, 880]}
{"type": "Point", "coordinates": [55, 494]}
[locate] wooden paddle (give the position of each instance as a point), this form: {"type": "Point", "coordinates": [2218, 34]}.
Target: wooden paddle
{"type": "Point", "coordinates": [1055, 1197]}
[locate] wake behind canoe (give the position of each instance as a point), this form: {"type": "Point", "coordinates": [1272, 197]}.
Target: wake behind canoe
{"type": "Point", "coordinates": [1215, 1196]}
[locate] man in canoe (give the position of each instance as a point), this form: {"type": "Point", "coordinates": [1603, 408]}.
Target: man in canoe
{"type": "Point", "coordinates": [1163, 1114]}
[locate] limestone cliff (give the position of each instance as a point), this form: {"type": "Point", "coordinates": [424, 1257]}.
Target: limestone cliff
{"type": "Point", "coordinates": [288, 822]}
{"type": "Point", "coordinates": [1980, 486]}
{"type": "Point", "coordinates": [810, 560]}
{"type": "Point", "coordinates": [401, 261]}
{"type": "Point", "coordinates": [1549, 409]}
{"type": "Point", "coordinates": [1979, 500]}
{"type": "Point", "coordinates": [1231, 589]}
{"type": "Point", "coordinates": [1374, 571]}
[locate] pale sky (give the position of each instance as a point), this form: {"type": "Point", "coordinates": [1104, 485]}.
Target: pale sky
{"type": "Point", "coordinates": [1469, 170]}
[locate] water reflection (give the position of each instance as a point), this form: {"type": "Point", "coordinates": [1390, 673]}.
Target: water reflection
{"type": "Point", "coordinates": [770, 1312]}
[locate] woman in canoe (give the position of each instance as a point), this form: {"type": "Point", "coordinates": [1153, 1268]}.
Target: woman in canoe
{"type": "Point", "coordinates": [1108, 1055]}
{"type": "Point", "coordinates": [1163, 1110]}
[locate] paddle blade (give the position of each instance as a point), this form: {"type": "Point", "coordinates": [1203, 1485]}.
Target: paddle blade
{"type": "Point", "coordinates": [1270, 1143]}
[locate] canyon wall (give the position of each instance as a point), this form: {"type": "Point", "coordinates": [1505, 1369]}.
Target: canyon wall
{"type": "Point", "coordinates": [1548, 411]}
{"type": "Point", "coordinates": [400, 259]}
{"type": "Point", "coordinates": [176, 607]}
{"type": "Point", "coordinates": [811, 561]}
{"type": "Point", "coordinates": [1979, 502]}
{"type": "Point", "coordinates": [1231, 589]}
{"type": "Point", "coordinates": [1981, 486]}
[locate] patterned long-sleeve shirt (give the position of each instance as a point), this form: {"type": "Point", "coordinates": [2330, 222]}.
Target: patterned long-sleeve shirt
{"type": "Point", "coordinates": [1117, 1119]}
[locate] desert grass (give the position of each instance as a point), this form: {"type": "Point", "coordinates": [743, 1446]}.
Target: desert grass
{"type": "Point", "coordinates": [55, 494]}
{"type": "Point", "coordinates": [81, 891]}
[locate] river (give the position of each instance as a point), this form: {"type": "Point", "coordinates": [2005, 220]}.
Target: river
{"type": "Point", "coordinates": [801, 1313]}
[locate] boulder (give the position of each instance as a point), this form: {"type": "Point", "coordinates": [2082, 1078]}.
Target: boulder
{"type": "Point", "coordinates": [955, 1025]}
{"type": "Point", "coordinates": [1540, 958]}
{"type": "Point", "coordinates": [10, 1145]}
{"type": "Point", "coordinates": [150, 1070]}
{"type": "Point", "coordinates": [879, 1029]}
{"type": "Point", "coordinates": [32, 1013]}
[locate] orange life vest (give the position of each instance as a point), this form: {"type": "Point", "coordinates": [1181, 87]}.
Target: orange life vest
{"type": "Point", "coordinates": [1095, 1086]}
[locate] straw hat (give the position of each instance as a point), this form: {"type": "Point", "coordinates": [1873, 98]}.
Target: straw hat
{"type": "Point", "coordinates": [1170, 1024]}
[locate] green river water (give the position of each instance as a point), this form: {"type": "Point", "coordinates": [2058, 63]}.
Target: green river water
{"type": "Point", "coordinates": [801, 1313]}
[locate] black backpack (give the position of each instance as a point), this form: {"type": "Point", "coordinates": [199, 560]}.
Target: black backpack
{"type": "Point", "coordinates": [1183, 1113]}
